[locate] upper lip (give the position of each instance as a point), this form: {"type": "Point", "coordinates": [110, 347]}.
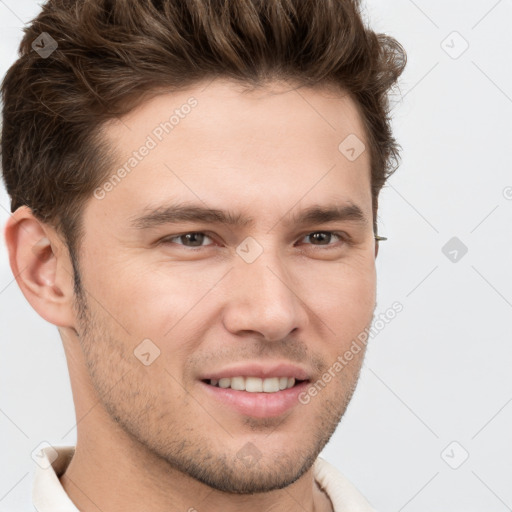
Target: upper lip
{"type": "Point", "coordinates": [255, 369]}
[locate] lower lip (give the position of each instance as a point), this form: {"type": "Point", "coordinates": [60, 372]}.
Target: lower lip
{"type": "Point", "coordinates": [257, 405]}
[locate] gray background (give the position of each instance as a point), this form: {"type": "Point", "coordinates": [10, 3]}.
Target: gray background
{"type": "Point", "coordinates": [438, 373]}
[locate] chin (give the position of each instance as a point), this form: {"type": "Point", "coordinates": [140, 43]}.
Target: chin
{"type": "Point", "coordinates": [249, 477]}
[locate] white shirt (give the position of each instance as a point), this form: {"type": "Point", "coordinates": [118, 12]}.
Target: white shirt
{"type": "Point", "coordinates": [48, 495]}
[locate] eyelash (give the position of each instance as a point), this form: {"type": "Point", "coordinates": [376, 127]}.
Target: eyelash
{"type": "Point", "coordinates": [344, 237]}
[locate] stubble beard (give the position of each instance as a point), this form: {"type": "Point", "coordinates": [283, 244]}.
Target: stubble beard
{"type": "Point", "coordinates": [134, 407]}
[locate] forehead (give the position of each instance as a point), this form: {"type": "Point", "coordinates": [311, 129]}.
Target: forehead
{"type": "Point", "coordinates": [224, 145]}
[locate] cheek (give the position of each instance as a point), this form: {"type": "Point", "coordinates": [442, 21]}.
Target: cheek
{"type": "Point", "coordinates": [157, 301]}
{"type": "Point", "coordinates": [343, 295]}
{"type": "Point", "coordinates": [154, 300]}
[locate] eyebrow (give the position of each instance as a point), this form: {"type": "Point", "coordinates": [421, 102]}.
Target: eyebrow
{"type": "Point", "coordinates": [176, 213]}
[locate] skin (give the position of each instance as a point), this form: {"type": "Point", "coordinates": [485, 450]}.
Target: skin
{"type": "Point", "coordinates": [153, 431]}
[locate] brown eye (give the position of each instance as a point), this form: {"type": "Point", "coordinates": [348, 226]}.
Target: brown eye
{"type": "Point", "coordinates": [192, 239]}
{"type": "Point", "coordinates": [323, 238]}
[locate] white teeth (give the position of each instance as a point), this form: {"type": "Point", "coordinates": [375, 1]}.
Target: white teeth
{"type": "Point", "coordinates": [224, 383]}
{"type": "Point", "coordinates": [255, 384]}
{"type": "Point", "coordinates": [238, 383]}
{"type": "Point", "coordinates": [271, 385]}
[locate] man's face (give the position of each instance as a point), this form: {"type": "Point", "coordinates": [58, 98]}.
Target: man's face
{"type": "Point", "coordinates": [272, 300]}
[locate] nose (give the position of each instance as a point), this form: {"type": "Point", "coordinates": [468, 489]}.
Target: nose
{"type": "Point", "coordinates": [264, 298]}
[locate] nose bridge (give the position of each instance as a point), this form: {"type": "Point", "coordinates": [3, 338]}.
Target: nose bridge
{"type": "Point", "coordinates": [265, 299]}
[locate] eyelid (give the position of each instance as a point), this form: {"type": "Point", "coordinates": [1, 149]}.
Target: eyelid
{"type": "Point", "coordinates": [342, 235]}
{"type": "Point", "coordinates": [167, 239]}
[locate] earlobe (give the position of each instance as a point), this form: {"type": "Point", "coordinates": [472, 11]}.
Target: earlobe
{"type": "Point", "coordinates": [40, 266]}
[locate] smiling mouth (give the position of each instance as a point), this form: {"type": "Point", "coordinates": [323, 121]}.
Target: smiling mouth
{"type": "Point", "coordinates": [255, 384]}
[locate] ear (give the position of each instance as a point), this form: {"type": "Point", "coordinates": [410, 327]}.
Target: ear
{"type": "Point", "coordinates": [40, 262]}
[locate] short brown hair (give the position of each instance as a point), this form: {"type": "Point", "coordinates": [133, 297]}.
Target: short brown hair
{"type": "Point", "coordinates": [112, 53]}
